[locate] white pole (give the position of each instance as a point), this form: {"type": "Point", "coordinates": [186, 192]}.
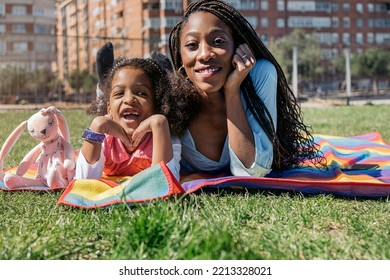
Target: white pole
{"type": "Point", "coordinates": [295, 71]}
{"type": "Point", "coordinates": [347, 74]}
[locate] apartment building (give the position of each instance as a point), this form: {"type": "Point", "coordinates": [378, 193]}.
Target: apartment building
{"type": "Point", "coordinates": [72, 36]}
{"type": "Point", "coordinates": [136, 27]}
{"type": "Point", "coordinates": [27, 34]}
{"type": "Point", "coordinates": [353, 24]}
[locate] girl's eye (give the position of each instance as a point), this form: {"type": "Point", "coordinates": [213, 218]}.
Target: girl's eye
{"type": "Point", "coordinates": [118, 94]}
{"type": "Point", "coordinates": [142, 93]}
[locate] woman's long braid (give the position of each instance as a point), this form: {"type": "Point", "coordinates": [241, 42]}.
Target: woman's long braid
{"type": "Point", "coordinates": [293, 141]}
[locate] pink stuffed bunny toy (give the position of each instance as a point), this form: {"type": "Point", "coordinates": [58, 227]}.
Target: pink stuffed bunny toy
{"type": "Point", "coordinates": [54, 155]}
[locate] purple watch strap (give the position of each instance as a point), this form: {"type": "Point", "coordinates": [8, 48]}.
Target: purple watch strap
{"type": "Point", "coordinates": [93, 136]}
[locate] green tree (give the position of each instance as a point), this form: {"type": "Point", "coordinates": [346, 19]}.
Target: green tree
{"type": "Point", "coordinates": [309, 56]}
{"type": "Point", "coordinates": [75, 79]}
{"type": "Point", "coordinates": [89, 84]}
{"type": "Point", "coordinates": [339, 64]}
{"type": "Point", "coordinates": [20, 83]}
{"type": "Point", "coordinates": [82, 82]}
{"type": "Point", "coordinates": [374, 64]}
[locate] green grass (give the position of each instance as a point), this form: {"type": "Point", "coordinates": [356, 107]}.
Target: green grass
{"type": "Point", "coordinates": [207, 225]}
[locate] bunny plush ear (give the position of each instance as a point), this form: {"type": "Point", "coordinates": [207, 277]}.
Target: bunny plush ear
{"type": "Point", "coordinates": [9, 143]}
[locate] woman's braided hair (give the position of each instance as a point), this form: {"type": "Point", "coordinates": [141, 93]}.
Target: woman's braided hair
{"type": "Point", "coordinates": [293, 141]}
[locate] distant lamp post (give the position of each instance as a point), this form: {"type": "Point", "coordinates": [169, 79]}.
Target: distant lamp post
{"type": "Point", "coordinates": [295, 71]}
{"type": "Point", "coordinates": [347, 54]}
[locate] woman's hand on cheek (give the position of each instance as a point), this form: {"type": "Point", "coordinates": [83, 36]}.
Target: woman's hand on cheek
{"type": "Point", "coordinates": [243, 61]}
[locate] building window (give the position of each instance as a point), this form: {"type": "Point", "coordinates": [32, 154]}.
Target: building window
{"type": "Point", "coordinates": [264, 22]}
{"type": "Point", "coordinates": [359, 38]}
{"type": "Point", "coordinates": [280, 23]}
{"type": "Point", "coordinates": [41, 29]}
{"type": "Point", "coordinates": [264, 5]}
{"type": "Point", "coordinates": [370, 37]}
{"type": "Point", "coordinates": [346, 22]}
{"type": "Point", "coordinates": [176, 5]}
{"type": "Point", "coordinates": [329, 53]}
{"type": "Point", "coordinates": [167, 22]}
{"type": "Point", "coordinates": [42, 47]}
{"type": "Point", "coordinates": [370, 7]}
{"type": "Point", "coordinates": [19, 10]}
{"type": "Point", "coordinates": [346, 39]}
{"type": "Point", "coordinates": [2, 10]}
{"type": "Point", "coordinates": [381, 38]}
{"type": "Point", "coordinates": [280, 5]}
{"type": "Point", "coordinates": [96, 11]}
{"type": "Point", "coordinates": [3, 48]}
{"type": "Point", "coordinates": [335, 38]}
{"type": "Point", "coordinates": [154, 23]}
{"type": "Point", "coordinates": [2, 28]}
{"type": "Point", "coordinates": [327, 38]}
{"type": "Point", "coordinates": [382, 8]}
{"type": "Point", "coordinates": [309, 22]}
{"type": "Point", "coordinates": [38, 11]}
{"type": "Point", "coordinates": [359, 7]}
{"type": "Point", "coordinates": [249, 4]}
{"type": "Point", "coordinates": [19, 28]}
{"type": "Point", "coordinates": [359, 23]}
{"type": "Point", "coordinates": [20, 47]}
{"type": "Point", "coordinates": [264, 38]}
{"type": "Point", "coordinates": [346, 7]}
{"type": "Point", "coordinates": [335, 22]}
{"type": "Point", "coordinates": [252, 21]}
{"type": "Point", "coordinates": [382, 22]}
{"type": "Point", "coordinates": [235, 4]}
{"type": "Point", "coordinates": [301, 6]}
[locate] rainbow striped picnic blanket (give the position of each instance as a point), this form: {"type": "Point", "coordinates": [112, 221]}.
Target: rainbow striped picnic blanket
{"type": "Point", "coordinates": [341, 152]}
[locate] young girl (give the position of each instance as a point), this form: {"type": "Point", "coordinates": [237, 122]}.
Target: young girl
{"type": "Point", "coordinates": [134, 134]}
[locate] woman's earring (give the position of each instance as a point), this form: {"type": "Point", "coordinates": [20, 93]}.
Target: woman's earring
{"type": "Point", "coordinates": [182, 71]}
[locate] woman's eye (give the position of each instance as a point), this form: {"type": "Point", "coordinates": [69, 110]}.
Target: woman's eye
{"type": "Point", "coordinates": [191, 45]}
{"type": "Point", "coordinates": [219, 41]}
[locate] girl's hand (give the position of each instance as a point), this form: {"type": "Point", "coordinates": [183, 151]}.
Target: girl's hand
{"type": "Point", "coordinates": [243, 61]}
{"type": "Point", "coordinates": [152, 124]}
{"type": "Point", "coordinates": [106, 125]}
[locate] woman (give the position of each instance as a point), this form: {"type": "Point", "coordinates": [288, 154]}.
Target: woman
{"type": "Point", "coordinates": [240, 115]}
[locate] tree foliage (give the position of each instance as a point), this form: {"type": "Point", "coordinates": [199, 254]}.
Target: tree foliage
{"type": "Point", "coordinates": [19, 83]}
{"type": "Point", "coordinates": [309, 54]}
{"type": "Point", "coordinates": [373, 63]}
{"type": "Point", "coordinates": [83, 82]}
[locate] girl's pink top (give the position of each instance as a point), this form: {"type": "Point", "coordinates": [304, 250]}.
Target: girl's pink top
{"type": "Point", "coordinates": [121, 163]}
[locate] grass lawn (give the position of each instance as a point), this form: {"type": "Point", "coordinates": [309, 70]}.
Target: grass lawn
{"type": "Point", "coordinates": [207, 225]}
